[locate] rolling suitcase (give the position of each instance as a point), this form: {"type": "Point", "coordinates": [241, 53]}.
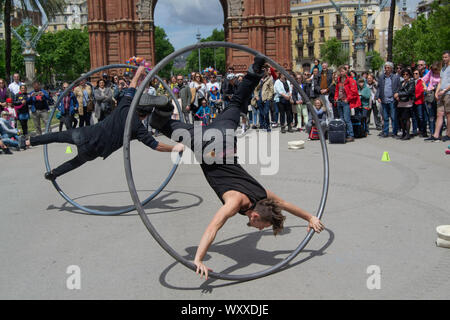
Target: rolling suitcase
{"type": "Point", "coordinates": [336, 131]}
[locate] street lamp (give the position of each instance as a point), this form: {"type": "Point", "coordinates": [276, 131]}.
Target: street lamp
{"type": "Point", "coordinates": [198, 35]}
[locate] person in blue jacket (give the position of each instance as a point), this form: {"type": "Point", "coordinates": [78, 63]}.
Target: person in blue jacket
{"type": "Point", "coordinates": [39, 106]}
{"type": "Point", "coordinates": [67, 109]}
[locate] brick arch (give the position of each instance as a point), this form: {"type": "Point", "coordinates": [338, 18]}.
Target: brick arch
{"type": "Point", "coordinates": [117, 31]}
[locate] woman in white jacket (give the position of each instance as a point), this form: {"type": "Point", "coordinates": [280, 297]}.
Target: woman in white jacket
{"type": "Point", "coordinates": [283, 99]}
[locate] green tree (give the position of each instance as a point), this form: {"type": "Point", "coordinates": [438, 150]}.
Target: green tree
{"type": "Point", "coordinates": [375, 60]}
{"type": "Point", "coordinates": [209, 57]}
{"type": "Point", "coordinates": [163, 48]}
{"type": "Point", "coordinates": [63, 55]}
{"type": "Point", "coordinates": [51, 7]}
{"type": "Point", "coordinates": [425, 39]}
{"type": "Point", "coordinates": [333, 52]}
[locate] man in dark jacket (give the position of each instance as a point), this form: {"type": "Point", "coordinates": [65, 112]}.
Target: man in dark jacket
{"type": "Point", "coordinates": [325, 81]}
{"type": "Point", "coordinates": [102, 139]}
{"type": "Point", "coordinates": [387, 93]}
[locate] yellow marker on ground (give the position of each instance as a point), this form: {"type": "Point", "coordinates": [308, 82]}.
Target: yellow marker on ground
{"type": "Point", "coordinates": [68, 149]}
{"type": "Point", "coordinates": [386, 157]}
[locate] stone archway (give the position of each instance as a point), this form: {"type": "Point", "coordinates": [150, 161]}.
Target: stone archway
{"type": "Point", "coordinates": [120, 29]}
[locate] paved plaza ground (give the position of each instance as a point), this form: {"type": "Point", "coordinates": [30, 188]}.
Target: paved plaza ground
{"type": "Point", "coordinates": [380, 216]}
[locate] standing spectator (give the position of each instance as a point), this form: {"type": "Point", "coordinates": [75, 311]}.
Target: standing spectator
{"type": "Point", "coordinates": [374, 104]}
{"type": "Point", "coordinates": [225, 89]}
{"type": "Point", "coordinates": [85, 98]}
{"type": "Point", "coordinates": [186, 98]}
{"type": "Point", "coordinates": [422, 67]}
{"type": "Point", "coordinates": [40, 100]}
{"type": "Point", "coordinates": [388, 86]}
{"type": "Point", "coordinates": [200, 91]}
{"type": "Point", "coordinates": [14, 87]}
{"type": "Point", "coordinates": [331, 94]}
{"type": "Point", "coordinates": [300, 105]}
{"type": "Point", "coordinates": [316, 65]}
{"type": "Point", "coordinates": [22, 102]}
{"type": "Point", "coordinates": [283, 97]}
{"type": "Point", "coordinates": [229, 88]}
{"type": "Point", "coordinates": [312, 85]}
{"type": "Point", "coordinates": [347, 98]}
{"type": "Point", "coordinates": [431, 81]}
{"type": "Point", "coordinates": [364, 109]}
{"type": "Point", "coordinates": [263, 94]}
{"type": "Point", "coordinates": [399, 71]}
{"type": "Point", "coordinates": [12, 112]}
{"type": "Point", "coordinates": [213, 83]}
{"type": "Point", "coordinates": [5, 93]}
{"type": "Point", "coordinates": [67, 108]}
{"type": "Point", "coordinates": [405, 99]}
{"type": "Point", "coordinates": [443, 100]}
{"type": "Point", "coordinates": [103, 100]}
{"type": "Point", "coordinates": [418, 108]}
{"type": "Point", "coordinates": [121, 90]}
{"type": "Point", "coordinates": [325, 80]}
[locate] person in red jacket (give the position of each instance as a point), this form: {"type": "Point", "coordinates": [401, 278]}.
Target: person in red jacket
{"type": "Point", "coordinates": [419, 104]}
{"type": "Point", "coordinates": [347, 98]}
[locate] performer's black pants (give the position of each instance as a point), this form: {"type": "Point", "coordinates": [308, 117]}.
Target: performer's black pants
{"type": "Point", "coordinates": [74, 137]}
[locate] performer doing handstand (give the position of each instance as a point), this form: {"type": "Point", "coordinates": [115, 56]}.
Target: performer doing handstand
{"type": "Point", "coordinates": [105, 137]}
{"type": "Point", "coordinates": [238, 191]}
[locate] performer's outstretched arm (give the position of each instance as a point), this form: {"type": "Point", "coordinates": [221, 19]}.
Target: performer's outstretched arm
{"type": "Point", "coordinates": [313, 221]}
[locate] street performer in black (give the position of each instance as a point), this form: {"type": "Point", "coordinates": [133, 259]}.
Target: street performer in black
{"type": "Point", "coordinates": [105, 137]}
{"type": "Point", "coordinates": [238, 191]}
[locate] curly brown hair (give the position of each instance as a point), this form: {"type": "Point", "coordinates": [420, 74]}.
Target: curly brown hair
{"type": "Point", "coordinates": [270, 211]}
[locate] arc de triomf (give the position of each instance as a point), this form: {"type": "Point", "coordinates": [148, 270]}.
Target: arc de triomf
{"type": "Point", "coordinates": [119, 29]}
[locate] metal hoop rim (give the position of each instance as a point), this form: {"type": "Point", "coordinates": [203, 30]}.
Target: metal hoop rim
{"type": "Point", "coordinates": [47, 163]}
{"type": "Point", "coordinates": [135, 197]}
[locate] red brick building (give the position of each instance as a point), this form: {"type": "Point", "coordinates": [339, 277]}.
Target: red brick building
{"type": "Point", "coordinates": [119, 29]}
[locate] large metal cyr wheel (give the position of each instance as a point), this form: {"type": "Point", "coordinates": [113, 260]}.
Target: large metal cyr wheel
{"type": "Point", "coordinates": [135, 197]}
{"type": "Point", "coordinates": [46, 158]}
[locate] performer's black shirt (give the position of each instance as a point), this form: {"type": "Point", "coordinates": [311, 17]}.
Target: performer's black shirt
{"type": "Point", "coordinates": [226, 177]}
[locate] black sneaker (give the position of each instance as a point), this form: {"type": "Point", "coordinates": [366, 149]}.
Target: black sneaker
{"type": "Point", "coordinates": [445, 138]}
{"type": "Point", "coordinates": [7, 151]}
{"type": "Point", "coordinates": [50, 176]}
{"type": "Point", "coordinates": [431, 139]}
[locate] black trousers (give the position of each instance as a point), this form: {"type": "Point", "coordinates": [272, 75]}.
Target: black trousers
{"type": "Point", "coordinates": [85, 119]}
{"type": "Point", "coordinates": [225, 123]}
{"type": "Point", "coordinates": [24, 124]}
{"type": "Point", "coordinates": [74, 137]}
{"type": "Point", "coordinates": [285, 109]}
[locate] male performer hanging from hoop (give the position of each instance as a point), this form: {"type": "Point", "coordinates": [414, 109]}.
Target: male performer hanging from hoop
{"type": "Point", "coordinates": [105, 137]}
{"type": "Point", "coordinates": [238, 191]}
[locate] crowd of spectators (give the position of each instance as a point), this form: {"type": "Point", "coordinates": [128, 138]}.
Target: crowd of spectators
{"type": "Point", "coordinates": [400, 102]}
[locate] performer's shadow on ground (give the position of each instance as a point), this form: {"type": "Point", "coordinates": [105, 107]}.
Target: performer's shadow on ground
{"type": "Point", "coordinates": [245, 253]}
{"type": "Point", "coordinates": [166, 201]}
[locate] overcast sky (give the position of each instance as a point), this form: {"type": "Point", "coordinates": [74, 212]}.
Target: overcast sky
{"type": "Point", "coordinates": [181, 19]}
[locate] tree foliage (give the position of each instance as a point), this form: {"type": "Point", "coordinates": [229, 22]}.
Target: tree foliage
{"type": "Point", "coordinates": [375, 60]}
{"type": "Point", "coordinates": [333, 52]}
{"type": "Point", "coordinates": [63, 54]}
{"type": "Point", "coordinates": [163, 48]}
{"type": "Point", "coordinates": [209, 57]}
{"type": "Point", "coordinates": [51, 8]}
{"type": "Point", "coordinates": [425, 39]}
